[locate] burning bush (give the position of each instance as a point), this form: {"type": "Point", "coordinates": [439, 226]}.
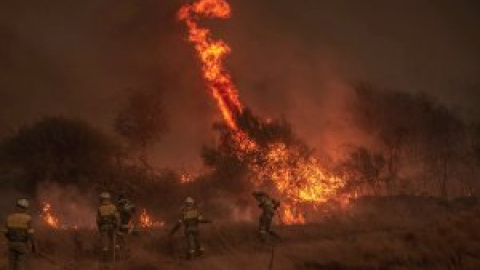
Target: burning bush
{"type": "Point", "coordinates": [268, 150]}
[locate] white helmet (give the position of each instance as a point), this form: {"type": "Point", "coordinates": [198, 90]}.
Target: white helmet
{"type": "Point", "coordinates": [189, 200]}
{"type": "Point", "coordinates": [105, 196]}
{"type": "Point", "coordinates": [23, 203]}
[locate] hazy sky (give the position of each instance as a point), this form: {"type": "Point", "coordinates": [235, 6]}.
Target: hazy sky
{"type": "Point", "coordinates": [291, 58]}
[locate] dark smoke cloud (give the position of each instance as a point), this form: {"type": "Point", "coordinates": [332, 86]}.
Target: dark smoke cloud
{"type": "Point", "coordinates": [291, 58]}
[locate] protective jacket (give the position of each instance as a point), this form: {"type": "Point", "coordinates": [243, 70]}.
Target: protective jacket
{"type": "Point", "coordinates": [107, 216]}
{"type": "Point", "coordinates": [190, 220]}
{"type": "Point", "coordinates": [268, 205]}
{"type": "Point", "coordinates": [18, 228]}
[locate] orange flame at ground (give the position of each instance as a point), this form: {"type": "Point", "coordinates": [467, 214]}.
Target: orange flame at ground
{"type": "Point", "coordinates": [146, 221]}
{"type": "Point", "coordinates": [298, 179]}
{"type": "Point", "coordinates": [291, 216]}
{"type": "Point", "coordinates": [186, 178]}
{"type": "Point", "coordinates": [301, 179]}
{"type": "Point", "coordinates": [48, 217]}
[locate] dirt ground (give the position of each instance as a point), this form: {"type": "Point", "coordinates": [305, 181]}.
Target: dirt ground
{"type": "Point", "coordinates": [376, 233]}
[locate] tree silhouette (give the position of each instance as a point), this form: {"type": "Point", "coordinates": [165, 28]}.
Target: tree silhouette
{"type": "Point", "coordinates": [60, 150]}
{"type": "Point", "coordinates": [142, 122]}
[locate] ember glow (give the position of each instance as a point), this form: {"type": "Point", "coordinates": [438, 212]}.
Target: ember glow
{"type": "Point", "coordinates": [146, 221]}
{"type": "Point", "coordinates": [290, 216]}
{"type": "Point", "coordinates": [189, 175]}
{"type": "Point", "coordinates": [298, 179]}
{"type": "Point", "coordinates": [48, 217]}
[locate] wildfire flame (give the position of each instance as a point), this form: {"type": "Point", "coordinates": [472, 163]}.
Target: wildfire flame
{"type": "Point", "coordinates": [290, 216]}
{"type": "Point", "coordinates": [48, 217]}
{"type": "Point", "coordinates": [298, 179]}
{"type": "Point", "coordinates": [146, 221]}
{"type": "Point", "coordinates": [211, 53]}
{"type": "Point", "coordinates": [189, 175]}
{"type": "Point", "coordinates": [186, 178]}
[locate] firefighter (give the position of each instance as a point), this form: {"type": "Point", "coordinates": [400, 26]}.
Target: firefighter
{"type": "Point", "coordinates": [20, 235]}
{"type": "Point", "coordinates": [269, 206]}
{"type": "Point", "coordinates": [126, 210]}
{"type": "Point", "coordinates": [108, 221]}
{"type": "Point", "coordinates": [190, 220]}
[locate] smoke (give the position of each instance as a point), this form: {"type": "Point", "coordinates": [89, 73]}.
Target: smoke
{"type": "Point", "coordinates": [79, 57]}
{"type": "Point", "coordinates": [300, 60]}
{"type": "Point", "coordinates": [70, 206]}
{"type": "Point", "coordinates": [73, 208]}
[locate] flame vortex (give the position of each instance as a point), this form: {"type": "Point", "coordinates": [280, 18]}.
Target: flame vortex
{"type": "Point", "coordinates": [298, 179]}
{"type": "Point", "coordinates": [211, 53]}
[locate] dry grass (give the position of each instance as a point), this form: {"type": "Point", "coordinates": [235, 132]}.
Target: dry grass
{"type": "Point", "coordinates": [380, 234]}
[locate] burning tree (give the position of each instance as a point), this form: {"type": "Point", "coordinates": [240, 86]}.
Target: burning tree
{"type": "Point", "coordinates": [270, 152]}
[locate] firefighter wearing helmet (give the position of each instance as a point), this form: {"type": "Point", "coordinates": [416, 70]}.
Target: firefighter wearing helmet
{"type": "Point", "coordinates": [126, 210]}
{"type": "Point", "coordinates": [20, 235]}
{"type": "Point", "coordinates": [190, 219]}
{"type": "Point", "coordinates": [108, 221]}
{"type": "Point", "coordinates": [269, 206]}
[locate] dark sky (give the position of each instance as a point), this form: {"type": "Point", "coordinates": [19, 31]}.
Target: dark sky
{"type": "Point", "coordinates": [291, 58]}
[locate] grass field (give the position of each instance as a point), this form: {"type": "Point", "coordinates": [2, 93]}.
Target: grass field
{"type": "Point", "coordinates": [376, 233]}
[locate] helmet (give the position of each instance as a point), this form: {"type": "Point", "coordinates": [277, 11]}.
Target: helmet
{"type": "Point", "coordinates": [189, 200]}
{"type": "Point", "coordinates": [105, 196]}
{"type": "Point", "coordinates": [23, 203]}
{"type": "Point", "coordinates": [121, 198]}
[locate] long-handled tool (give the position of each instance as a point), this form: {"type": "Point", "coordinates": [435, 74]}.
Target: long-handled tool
{"type": "Point", "coordinates": [272, 258]}
{"type": "Point", "coordinates": [114, 249]}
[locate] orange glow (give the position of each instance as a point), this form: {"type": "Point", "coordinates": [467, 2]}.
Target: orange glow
{"type": "Point", "coordinates": [211, 54]}
{"type": "Point", "coordinates": [48, 217]}
{"type": "Point", "coordinates": [298, 179]}
{"type": "Point", "coordinates": [191, 174]}
{"type": "Point", "coordinates": [146, 221]}
{"type": "Point", "coordinates": [290, 216]}
{"type": "Point", "coordinates": [186, 178]}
